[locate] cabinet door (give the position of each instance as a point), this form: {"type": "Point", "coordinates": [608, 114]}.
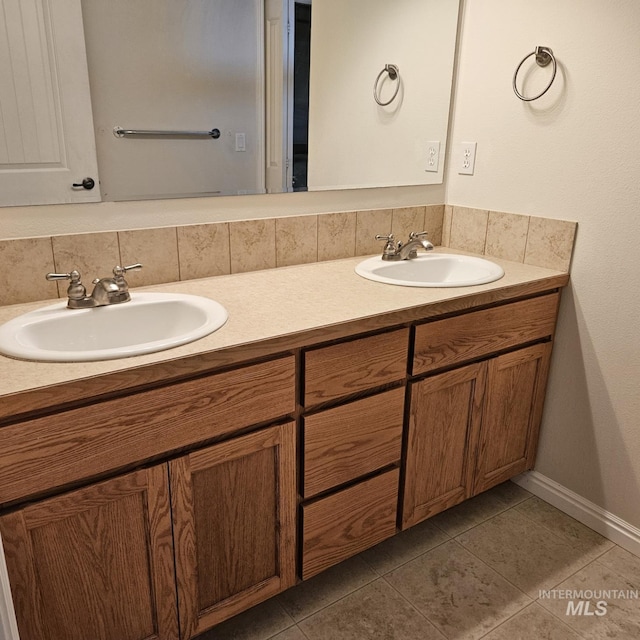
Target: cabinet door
{"type": "Point", "coordinates": [234, 508]}
{"type": "Point", "coordinates": [95, 563]}
{"type": "Point", "coordinates": [516, 384]}
{"type": "Point", "coordinates": [441, 446]}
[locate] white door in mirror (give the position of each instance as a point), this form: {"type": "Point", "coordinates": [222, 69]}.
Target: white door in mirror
{"type": "Point", "coordinates": [431, 270]}
{"type": "Point", "coordinates": [150, 322]}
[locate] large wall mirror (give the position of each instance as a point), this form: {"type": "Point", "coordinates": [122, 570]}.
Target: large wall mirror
{"type": "Point", "coordinates": [242, 96]}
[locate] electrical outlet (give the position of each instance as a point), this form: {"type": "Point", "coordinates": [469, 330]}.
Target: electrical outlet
{"type": "Point", "coordinates": [466, 157]}
{"type": "Point", "coordinates": [433, 155]}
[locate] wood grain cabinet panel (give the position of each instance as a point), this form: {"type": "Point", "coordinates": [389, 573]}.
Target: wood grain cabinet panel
{"type": "Point", "coordinates": [48, 452]}
{"type": "Point", "coordinates": [354, 366]}
{"type": "Point", "coordinates": [460, 339]}
{"type": "Point", "coordinates": [346, 442]}
{"type": "Point", "coordinates": [349, 521]}
{"type": "Point", "coordinates": [444, 421]}
{"type": "Point", "coordinates": [514, 398]}
{"type": "Point", "coordinates": [95, 563]}
{"type": "Point", "coordinates": [234, 507]}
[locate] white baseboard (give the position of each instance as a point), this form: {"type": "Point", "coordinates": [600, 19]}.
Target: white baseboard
{"type": "Point", "coordinates": [605, 523]}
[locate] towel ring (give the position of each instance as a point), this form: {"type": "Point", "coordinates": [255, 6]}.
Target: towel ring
{"type": "Point", "coordinates": [544, 56]}
{"type": "Point", "coordinates": [394, 74]}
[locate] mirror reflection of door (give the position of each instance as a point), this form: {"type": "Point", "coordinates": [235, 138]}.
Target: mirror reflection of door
{"type": "Point", "coordinates": [301, 38]}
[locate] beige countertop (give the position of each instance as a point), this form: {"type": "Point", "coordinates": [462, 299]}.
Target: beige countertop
{"type": "Point", "coordinates": [269, 311]}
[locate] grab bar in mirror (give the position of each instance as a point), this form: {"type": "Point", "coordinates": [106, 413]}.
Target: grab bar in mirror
{"type": "Point", "coordinates": [119, 132]}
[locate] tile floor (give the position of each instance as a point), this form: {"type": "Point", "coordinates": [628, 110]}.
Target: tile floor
{"type": "Point", "coordinates": [474, 571]}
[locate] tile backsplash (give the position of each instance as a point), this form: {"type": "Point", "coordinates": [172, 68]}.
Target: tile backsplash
{"type": "Point", "coordinates": [540, 242]}
{"type": "Point", "coordinates": [170, 254]}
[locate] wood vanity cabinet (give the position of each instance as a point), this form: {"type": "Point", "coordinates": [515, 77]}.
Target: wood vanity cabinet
{"type": "Point", "coordinates": [229, 485]}
{"type": "Point", "coordinates": [99, 562]}
{"type": "Point", "coordinates": [475, 426]}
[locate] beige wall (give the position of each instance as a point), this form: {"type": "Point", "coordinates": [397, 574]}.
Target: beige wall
{"type": "Point", "coordinates": [573, 155]}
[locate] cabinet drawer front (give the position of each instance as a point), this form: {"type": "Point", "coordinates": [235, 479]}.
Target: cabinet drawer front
{"type": "Point", "coordinates": [451, 341]}
{"type": "Point", "coordinates": [348, 522]}
{"type": "Point", "coordinates": [346, 442]}
{"type": "Point", "coordinates": [48, 452]}
{"type": "Point", "coordinates": [349, 367]}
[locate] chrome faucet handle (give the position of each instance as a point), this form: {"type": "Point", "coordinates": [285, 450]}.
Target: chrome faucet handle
{"type": "Point", "coordinates": [76, 290]}
{"type": "Point", "coordinates": [390, 248]}
{"type": "Point", "coordinates": [118, 276]}
{"type": "Point", "coordinates": [414, 235]}
{"type": "Point", "coordinates": [74, 276]}
{"type": "Point", "coordinates": [120, 271]}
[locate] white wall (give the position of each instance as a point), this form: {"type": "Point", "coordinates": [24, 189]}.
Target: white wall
{"type": "Point", "coordinates": [573, 154]}
{"type": "Point", "coordinates": [350, 44]}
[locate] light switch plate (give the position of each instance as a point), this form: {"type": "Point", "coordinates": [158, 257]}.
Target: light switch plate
{"type": "Point", "coordinates": [466, 157]}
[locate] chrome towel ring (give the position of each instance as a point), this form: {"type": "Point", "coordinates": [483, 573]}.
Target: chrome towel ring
{"type": "Point", "coordinates": [544, 56]}
{"type": "Point", "coordinates": [394, 74]}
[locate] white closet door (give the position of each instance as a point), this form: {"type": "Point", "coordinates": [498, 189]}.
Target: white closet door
{"type": "Point", "coordinates": [46, 127]}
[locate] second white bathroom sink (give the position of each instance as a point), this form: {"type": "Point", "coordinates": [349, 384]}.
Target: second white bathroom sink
{"type": "Point", "coordinates": [431, 270]}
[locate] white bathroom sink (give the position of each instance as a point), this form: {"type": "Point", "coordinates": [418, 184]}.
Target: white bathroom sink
{"type": "Point", "coordinates": [431, 270]}
{"type": "Point", "coordinates": [149, 322]}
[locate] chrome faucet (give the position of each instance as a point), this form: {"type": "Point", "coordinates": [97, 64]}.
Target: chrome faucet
{"type": "Point", "coordinates": [398, 251]}
{"type": "Point", "coordinates": [105, 292]}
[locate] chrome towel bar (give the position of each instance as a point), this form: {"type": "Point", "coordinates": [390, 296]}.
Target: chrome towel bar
{"type": "Point", "coordinates": [119, 132]}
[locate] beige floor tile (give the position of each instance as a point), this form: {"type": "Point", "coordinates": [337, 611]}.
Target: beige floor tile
{"type": "Point", "coordinates": [458, 593]}
{"type": "Point", "coordinates": [375, 612]}
{"type": "Point", "coordinates": [324, 589]}
{"type": "Point", "coordinates": [484, 506]}
{"type": "Point", "coordinates": [592, 544]}
{"type": "Point", "coordinates": [620, 619]}
{"type": "Point", "coordinates": [292, 633]}
{"type": "Point", "coordinates": [259, 623]}
{"type": "Point", "coordinates": [403, 547]}
{"type": "Point", "coordinates": [524, 552]}
{"type": "Point", "coordinates": [624, 563]}
{"type": "Point", "coordinates": [533, 623]}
